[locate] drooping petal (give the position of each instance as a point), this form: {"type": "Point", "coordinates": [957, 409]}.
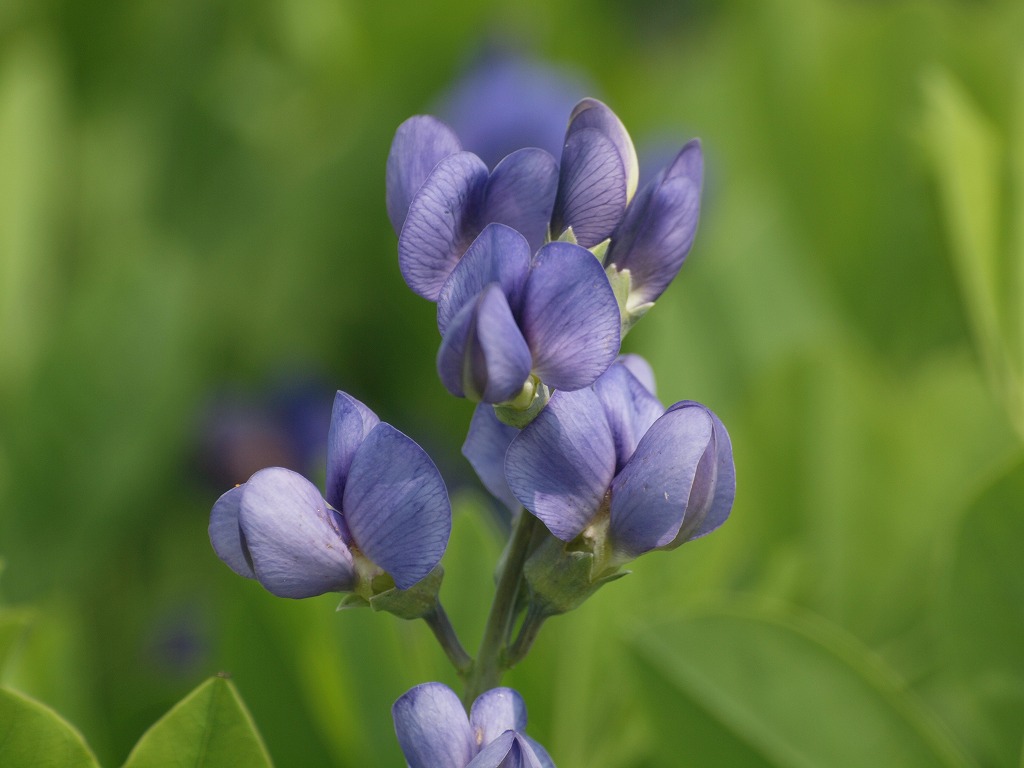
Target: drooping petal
{"type": "Point", "coordinates": [651, 494]}
{"type": "Point", "coordinates": [569, 317]}
{"type": "Point", "coordinates": [509, 750]}
{"type": "Point", "coordinates": [226, 536]}
{"type": "Point", "coordinates": [294, 543]}
{"type": "Point", "coordinates": [498, 255]}
{"type": "Point", "coordinates": [432, 727]}
{"type": "Point", "coordinates": [561, 464]}
{"type": "Point", "coordinates": [496, 711]}
{"type": "Point", "coordinates": [486, 443]}
{"type": "Point", "coordinates": [630, 408]}
{"type": "Point", "coordinates": [717, 505]}
{"type": "Point", "coordinates": [640, 368]}
{"type": "Point", "coordinates": [351, 422]}
{"type": "Point", "coordinates": [420, 143]}
{"type": "Point", "coordinates": [443, 220]}
{"type": "Point", "coordinates": [591, 113]}
{"type": "Point", "coordinates": [483, 356]}
{"type": "Point", "coordinates": [521, 194]}
{"type": "Point", "coordinates": [591, 194]}
{"type": "Point", "coordinates": [396, 505]}
{"type": "Point", "coordinates": [658, 229]}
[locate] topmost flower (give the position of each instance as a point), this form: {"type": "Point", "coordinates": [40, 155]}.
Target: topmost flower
{"type": "Point", "coordinates": [439, 198]}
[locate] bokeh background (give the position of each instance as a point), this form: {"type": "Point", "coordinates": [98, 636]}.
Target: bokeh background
{"type": "Point", "coordinates": [195, 254]}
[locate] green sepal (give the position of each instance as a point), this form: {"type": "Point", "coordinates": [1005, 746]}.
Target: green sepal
{"type": "Point", "coordinates": [622, 284]}
{"type": "Point", "coordinates": [560, 579]}
{"type": "Point", "coordinates": [417, 601]}
{"type": "Point", "coordinates": [601, 249]}
{"type": "Point", "coordinates": [568, 237]}
{"type": "Point", "coordinates": [352, 600]}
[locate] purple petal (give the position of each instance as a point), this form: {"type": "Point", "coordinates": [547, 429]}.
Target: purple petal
{"type": "Point", "coordinates": [351, 422]}
{"type": "Point", "coordinates": [432, 727]}
{"type": "Point", "coordinates": [570, 317]}
{"type": "Point", "coordinates": [591, 113]}
{"type": "Point", "coordinates": [226, 536]}
{"type": "Point", "coordinates": [486, 443]}
{"type": "Point", "coordinates": [591, 188]}
{"type": "Point", "coordinates": [496, 711]}
{"type": "Point", "coordinates": [521, 194]}
{"type": "Point", "coordinates": [629, 407]}
{"type": "Point", "coordinates": [443, 220]}
{"type": "Point", "coordinates": [498, 255]}
{"type": "Point", "coordinates": [484, 356]}
{"type": "Point", "coordinates": [651, 495]}
{"type": "Point", "coordinates": [718, 504]}
{"type": "Point", "coordinates": [420, 143]}
{"type": "Point", "coordinates": [658, 229]}
{"type": "Point", "coordinates": [293, 540]}
{"type": "Point", "coordinates": [509, 750]}
{"type": "Point", "coordinates": [396, 505]}
{"type": "Point", "coordinates": [640, 368]}
{"type": "Point", "coordinates": [561, 465]}
{"type": "Point", "coordinates": [543, 758]}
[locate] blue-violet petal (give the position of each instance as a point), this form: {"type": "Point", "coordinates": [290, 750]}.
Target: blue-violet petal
{"type": "Point", "coordinates": [561, 464]}
{"type": "Point", "coordinates": [293, 540]}
{"type": "Point", "coordinates": [396, 505]}
{"type": "Point", "coordinates": [420, 143]}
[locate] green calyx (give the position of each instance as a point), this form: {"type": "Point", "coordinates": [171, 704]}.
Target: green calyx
{"type": "Point", "coordinates": [380, 593]}
{"type": "Point", "coordinates": [562, 576]}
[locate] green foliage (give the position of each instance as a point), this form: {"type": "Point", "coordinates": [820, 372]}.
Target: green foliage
{"type": "Point", "coordinates": [191, 201]}
{"type": "Point", "coordinates": [34, 736]}
{"type": "Point", "coordinates": [775, 689]}
{"type": "Point", "coordinates": [209, 728]}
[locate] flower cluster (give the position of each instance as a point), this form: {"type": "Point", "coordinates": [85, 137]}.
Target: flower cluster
{"type": "Point", "coordinates": [538, 267]}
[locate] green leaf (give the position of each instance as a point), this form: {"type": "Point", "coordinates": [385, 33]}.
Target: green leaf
{"type": "Point", "coordinates": [209, 728]}
{"type": "Point", "coordinates": [969, 162]}
{"type": "Point", "coordinates": [34, 736]}
{"type": "Point", "coordinates": [981, 624]}
{"type": "Point", "coordinates": [13, 624]}
{"type": "Point", "coordinates": [773, 689]}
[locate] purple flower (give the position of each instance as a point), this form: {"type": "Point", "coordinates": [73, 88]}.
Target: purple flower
{"type": "Point", "coordinates": [434, 731]}
{"type": "Point", "coordinates": [598, 175]}
{"type": "Point", "coordinates": [657, 231]}
{"type": "Point", "coordinates": [611, 463]}
{"type": "Point", "coordinates": [440, 198]}
{"type": "Point", "coordinates": [509, 320]}
{"type": "Point", "coordinates": [385, 510]}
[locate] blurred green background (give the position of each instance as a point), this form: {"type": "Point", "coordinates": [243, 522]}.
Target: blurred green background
{"type": "Point", "coordinates": [195, 253]}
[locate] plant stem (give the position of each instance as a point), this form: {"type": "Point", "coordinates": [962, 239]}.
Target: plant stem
{"type": "Point", "coordinates": [527, 634]}
{"type": "Point", "coordinates": [488, 668]}
{"type": "Point", "coordinates": [443, 630]}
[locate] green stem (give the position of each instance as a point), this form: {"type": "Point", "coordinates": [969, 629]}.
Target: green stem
{"type": "Point", "coordinates": [527, 634]}
{"type": "Point", "coordinates": [488, 668]}
{"type": "Point", "coordinates": [443, 630]}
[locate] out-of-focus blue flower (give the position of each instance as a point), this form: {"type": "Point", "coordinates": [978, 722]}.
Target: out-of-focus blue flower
{"type": "Point", "coordinates": [440, 198]}
{"type": "Point", "coordinates": [611, 463]}
{"type": "Point", "coordinates": [507, 101]}
{"type": "Point", "coordinates": [510, 320]}
{"type": "Point", "coordinates": [434, 731]}
{"type": "Point", "coordinates": [385, 510]}
{"type": "Point", "coordinates": [656, 233]}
